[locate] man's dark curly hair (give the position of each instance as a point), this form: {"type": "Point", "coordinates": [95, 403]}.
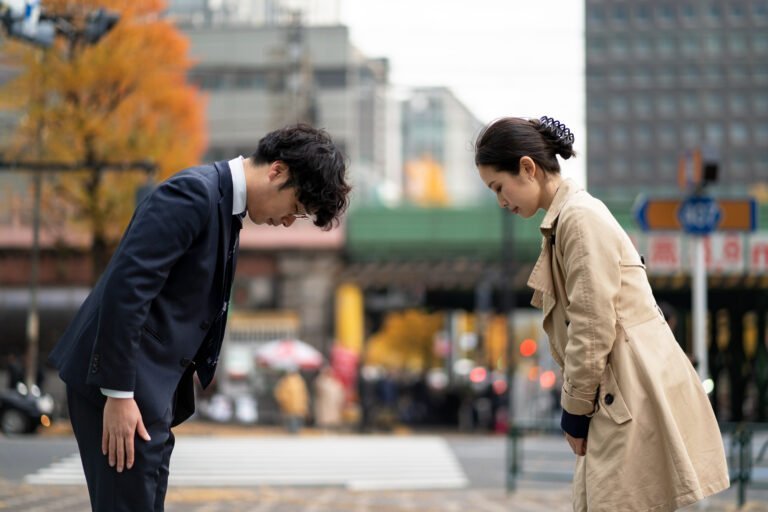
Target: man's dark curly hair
{"type": "Point", "coordinates": [316, 168]}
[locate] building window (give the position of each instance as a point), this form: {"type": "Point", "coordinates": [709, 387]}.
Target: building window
{"type": "Point", "coordinates": [761, 73]}
{"type": "Point", "coordinates": [761, 103]}
{"type": "Point", "coordinates": [331, 78]}
{"type": "Point", "coordinates": [644, 167]}
{"type": "Point", "coordinates": [619, 106]}
{"type": "Point", "coordinates": [689, 103]}
{"type": "Point", "coordinates": [642, 76]}
{"type": "Point", "coordinates": [737, 43]}
{"type": "Point", "coordinates": [691, 135]}
{"type": "Point", "coordinates": [713, 133]}
{"type": "Point", "coordinates": [688, 12]}
{"type": "Point", "coordinates": [643, 105]}
{"type": "Point", "coordinates": [643, 13]}
{"type": "Point", "coordinates": [643, 135]}
{"type": "Point", "coordinates": [761, 133]}
{"type": "Point", "coordinates": [665, 13]}
{"type": "Point", "coordinates": [760, 9]}
{"type": "Point", "coordinates": [596, 104]}
{"type": "Point", "coordinates": [665, 105]}
{"type": "Point", "coordinates": [595, 14]}
{"type": "Point", "coordinates": [619, 167]}
{"type": "Point", "coordinates": [642, 46]}
{"type": "Point", "coordinates": [736, 11]}
{"type": "Point", "coordinates": [620, 13]}
{"type": "Point", "coordinates": [714, 103]}
{"type": "Point", "coordinates": [738, 166]}
{"type": "Point", "coordinates": [619, 136]}
{"type": "Point", "coordinates": [737, 103]}
{"type": "Point", "coordinates": [690, 75]}
{"type": "Point", "coordinates": [596, 47]}
{"type": "Point", "coordinates": [618, 77]}
{"type": "Point", "coordinates": [689, 44]}
{"type": "Point", "coordinates": [739, 133]}
{"type": "Point", "coordinates": [760, 42]}
{"type": "Point", "coordinates": [665, 76]}
{"type": "Point", "coordinates": [715, 11]}
{"type": "Point", "coordinates": [620, 47]}
{"type": "Point", "coordinates": [665, 45]}
{"type": "Point", "coordinates": [738, 73]}
{"type": "Point", "coordinates": [596, 135]}
{"type": "Point", "coordinates": [712, 44]}
{"type": "Point", "coordinates": [666, 136]}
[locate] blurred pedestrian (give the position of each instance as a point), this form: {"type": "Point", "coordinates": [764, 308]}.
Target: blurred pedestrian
{"type": "Point", "coordinates": [634, 411]}
{"type": "Point", "coordinates": [158, 313]}
{"type": "Point", "coordinates": [293, 399]}
{"type": "Point", "coordinates": [329, 399]}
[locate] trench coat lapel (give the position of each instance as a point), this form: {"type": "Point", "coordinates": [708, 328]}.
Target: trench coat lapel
{"type": "Point", "coordinates": [541, 279]}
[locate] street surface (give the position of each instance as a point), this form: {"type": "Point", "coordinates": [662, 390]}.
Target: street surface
{"type": "Point", "coordinates": [264, 470]}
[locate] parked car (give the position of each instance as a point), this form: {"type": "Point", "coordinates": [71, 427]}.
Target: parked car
{"type": "Point", "coordinates": [23, 410]}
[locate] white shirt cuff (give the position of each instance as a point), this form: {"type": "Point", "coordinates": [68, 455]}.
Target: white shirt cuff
{"type": "Point", "coordinates": [113, 393]}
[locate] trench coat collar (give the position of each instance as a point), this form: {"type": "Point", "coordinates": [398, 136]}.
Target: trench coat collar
{"type": "Point", "coordinates": [541, 276]}
{"type": "Point", "coordinates": [567, 188]}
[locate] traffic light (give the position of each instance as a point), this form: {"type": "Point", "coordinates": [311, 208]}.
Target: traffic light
{"type": "Point", "coordinates": [528, 347]}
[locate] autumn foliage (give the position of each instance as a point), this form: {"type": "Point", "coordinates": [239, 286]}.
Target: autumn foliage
{"type": "Point", "coordinates": [123, 99]}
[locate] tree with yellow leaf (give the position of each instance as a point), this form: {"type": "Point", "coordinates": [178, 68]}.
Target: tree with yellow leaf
{"type": "Point", "coordinates": [405, 341]}
{"type": "Point", "coordinates": [124, 99]}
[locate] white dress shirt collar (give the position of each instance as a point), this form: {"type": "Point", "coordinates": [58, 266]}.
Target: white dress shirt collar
{"type": "Point", "coordinates": [238, 185]}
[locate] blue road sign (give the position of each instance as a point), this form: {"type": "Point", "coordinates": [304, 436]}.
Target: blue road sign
{"type": "Point", "coordinates": [699, 215]}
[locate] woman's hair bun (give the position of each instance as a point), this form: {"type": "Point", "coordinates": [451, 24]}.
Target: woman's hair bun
{"type": "Point", "coordinates": [559, 135]}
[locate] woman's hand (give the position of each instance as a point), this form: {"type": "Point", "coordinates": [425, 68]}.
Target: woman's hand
{"type": "Point", "coordinates": [579, 446]}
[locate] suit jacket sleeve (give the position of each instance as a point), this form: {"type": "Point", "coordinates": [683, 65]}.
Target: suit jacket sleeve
{"type": "Point", "coordinates": [161, 231]}
{"type": "Point", "coordinates": [591, 258]}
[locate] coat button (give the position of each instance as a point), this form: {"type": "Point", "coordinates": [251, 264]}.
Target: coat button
{"type": "Point", "coordinates": [184, 362]}
{"type": "Point", "coordinates": [608, 399]}
{"type": "Point", "coordinates": [204, 325]}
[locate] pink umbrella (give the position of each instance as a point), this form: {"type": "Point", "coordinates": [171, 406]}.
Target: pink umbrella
{"type": "Point", "coordinates": [289, 353]}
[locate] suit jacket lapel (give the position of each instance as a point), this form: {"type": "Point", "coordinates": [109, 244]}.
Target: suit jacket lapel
{"type": "Point", "coordinates": [225, 217]}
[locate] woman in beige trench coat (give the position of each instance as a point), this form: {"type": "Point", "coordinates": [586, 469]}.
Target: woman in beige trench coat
{"type": "Point", "coordinates": [634, 411]}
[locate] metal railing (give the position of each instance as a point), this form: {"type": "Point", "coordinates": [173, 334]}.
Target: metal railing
{"type": "Point", "coordinates": [748, 466]}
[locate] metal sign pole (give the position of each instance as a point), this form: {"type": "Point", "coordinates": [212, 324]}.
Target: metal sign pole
{"type": "Point", "coordinates": [699, 301]}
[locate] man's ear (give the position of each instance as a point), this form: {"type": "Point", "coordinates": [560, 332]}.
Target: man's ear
{"type": "Point", "coordinates": [278, 171]}
{"type": "Point", "coordinates": [527, 167]}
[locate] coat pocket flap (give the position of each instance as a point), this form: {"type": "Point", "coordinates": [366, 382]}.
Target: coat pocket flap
{"type": "Point", "coordinates": [611, 398]}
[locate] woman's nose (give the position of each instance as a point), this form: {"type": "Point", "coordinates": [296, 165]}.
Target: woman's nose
{"type": "Point", "coordinates": [288, 220]}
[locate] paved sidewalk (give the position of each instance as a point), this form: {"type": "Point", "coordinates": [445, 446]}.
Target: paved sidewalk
{"type": "Point", "coordinates": [23, 497]}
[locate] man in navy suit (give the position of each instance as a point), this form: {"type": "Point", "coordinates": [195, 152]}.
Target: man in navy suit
{"type": "Point", "coordinates": [157, 314]}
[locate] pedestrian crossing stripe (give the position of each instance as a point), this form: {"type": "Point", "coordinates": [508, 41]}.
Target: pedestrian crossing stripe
{"type": "Point", "coordinates": [356, 463]}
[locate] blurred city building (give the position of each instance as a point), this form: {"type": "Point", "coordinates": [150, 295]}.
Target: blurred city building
{"type": "Point", "coordinates": [663, 77]}
{"type": "Point", "coordinates": [438, 132]}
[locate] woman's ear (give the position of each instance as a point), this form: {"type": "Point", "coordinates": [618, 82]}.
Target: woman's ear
{"type": "Point", "coordinates": [528, 167]}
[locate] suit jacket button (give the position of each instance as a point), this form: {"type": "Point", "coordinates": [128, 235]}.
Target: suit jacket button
{"type": "Point", "coordinates": [184, 362]}
{"type": "Point", "coordinates": [204, 325]}
{"type": "Point", "coordinates": [608, 399]}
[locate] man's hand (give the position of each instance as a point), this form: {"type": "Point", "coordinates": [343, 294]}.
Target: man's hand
{"type": "Point", "coordinates": [122, 420]}
{"type": "Point", "coordinates": [579, 446]}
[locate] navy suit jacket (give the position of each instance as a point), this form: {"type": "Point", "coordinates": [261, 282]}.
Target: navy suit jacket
{"type": "Point", "coordinates": [158, 312]}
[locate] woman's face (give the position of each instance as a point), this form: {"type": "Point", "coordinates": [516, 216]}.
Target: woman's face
{"type": "Point", "coordinates": [519, 194]}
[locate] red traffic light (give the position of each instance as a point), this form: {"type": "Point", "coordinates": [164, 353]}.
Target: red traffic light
{"type": "Point", "coordinates": [528, 347]}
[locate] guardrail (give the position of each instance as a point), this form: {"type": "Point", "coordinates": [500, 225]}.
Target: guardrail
{"type": "Point", "coordinates": [748, 466]}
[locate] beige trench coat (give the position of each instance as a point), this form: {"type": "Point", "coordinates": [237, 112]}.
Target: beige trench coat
{"type": "Point", "coordinates": [653, 441]}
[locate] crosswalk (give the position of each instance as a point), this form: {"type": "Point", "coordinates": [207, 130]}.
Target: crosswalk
{"type": "Point", "coordinates": [355, 463]}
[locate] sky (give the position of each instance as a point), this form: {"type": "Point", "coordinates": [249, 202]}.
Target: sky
{"type": "Point", "coordinates": [500, 57]}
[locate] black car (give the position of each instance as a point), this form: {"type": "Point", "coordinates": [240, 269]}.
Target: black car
{"type": "Point", "coordinates": [23, 411]}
